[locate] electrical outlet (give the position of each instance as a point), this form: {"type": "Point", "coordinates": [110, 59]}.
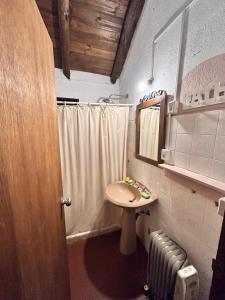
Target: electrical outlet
{"type": "Point", "coordinates": [165, 154]}
{"type": "Point", "coordinates": [168, 156]}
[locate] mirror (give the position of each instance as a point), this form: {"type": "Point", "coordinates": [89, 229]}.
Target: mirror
{"type": "Point", "coordinates": [150, 130]}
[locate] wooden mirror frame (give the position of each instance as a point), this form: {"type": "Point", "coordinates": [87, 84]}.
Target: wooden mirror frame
{"type": "Point", "coordinates": [161, 145]}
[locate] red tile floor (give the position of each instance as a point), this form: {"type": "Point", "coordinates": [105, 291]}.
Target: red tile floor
{"type": "Point", "coordinates": [98, 271]}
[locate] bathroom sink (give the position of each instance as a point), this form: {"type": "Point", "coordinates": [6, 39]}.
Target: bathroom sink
{"type": "Point", "coordinates": [130, 199]}
{"type": "Point", "coordinates": [127, 196]}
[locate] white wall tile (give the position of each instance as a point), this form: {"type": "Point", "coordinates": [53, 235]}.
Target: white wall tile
{"type": "Point", "coordinates": [183, 143]}
{"type": "Point", "coordinates": [206, 123]}
{"type": "Point", "coordinates": [186, 123]}
{"type": "Point", "coordinates": [218, 170]}
{"type": "Point", "coordinates": [172, 145]}
{"type": "Point", "coordinates": [201, 165]}
{"type": "Point", "coordinates": [173, 125]}
{"type": "Point", "coordinates": [172, 157]}
{"type": "Point", "coordinates": [182, 160]}
{"type": "Point", "coordinates": [219, 153]}
{"type": "Point", "coordinates": [221, 126]}
{"type": "Point", "coordinates": [171, 141]}
{"type": "Point", "coordinates": [203, 145]}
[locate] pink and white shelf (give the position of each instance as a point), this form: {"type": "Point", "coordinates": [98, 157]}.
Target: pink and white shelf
{"type": "Point", "coordinates": [204, 180]}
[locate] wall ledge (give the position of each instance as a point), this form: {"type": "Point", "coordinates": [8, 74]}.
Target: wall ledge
{"type": "Point", "coordinates": [204, 180]}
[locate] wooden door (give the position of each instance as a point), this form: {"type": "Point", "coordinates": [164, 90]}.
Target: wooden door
{"type": "Point", "coordinates": [33, 256]}
{"type": "Point", "coordinates": [217, 291]}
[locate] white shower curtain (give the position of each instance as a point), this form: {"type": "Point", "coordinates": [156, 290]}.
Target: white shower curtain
{"type": "Point", "coordinates": [149, 132]}
{"type": "Point", "coordinates": [93, 142]}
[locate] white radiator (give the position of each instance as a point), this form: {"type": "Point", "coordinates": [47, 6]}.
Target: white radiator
{"type": "Point", "coordinates": [165, 259]}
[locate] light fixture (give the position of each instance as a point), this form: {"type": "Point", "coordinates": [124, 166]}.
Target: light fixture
{"type": "Point", "coordinates": [143, 85]}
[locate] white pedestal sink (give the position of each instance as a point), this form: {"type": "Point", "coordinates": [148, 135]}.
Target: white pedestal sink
{"type": "Point", "coordinates": [129, 198]}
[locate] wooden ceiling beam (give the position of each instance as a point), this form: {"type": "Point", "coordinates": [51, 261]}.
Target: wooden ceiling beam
{"type": "Point", "coordinates": [132, 16]}
{"type": "Point", "coordinates": [63, 11]}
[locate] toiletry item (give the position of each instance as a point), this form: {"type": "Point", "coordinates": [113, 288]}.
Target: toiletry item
{"type": "Point", "coordinates": [128, 180]}
{"type": "Point", "coordinates": [145, 195]}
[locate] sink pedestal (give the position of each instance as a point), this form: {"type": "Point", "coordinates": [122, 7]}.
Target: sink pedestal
{"type": "Point", "coordinates": [129, 198]}
{"type": "Point", "coordinates": [128, 233]}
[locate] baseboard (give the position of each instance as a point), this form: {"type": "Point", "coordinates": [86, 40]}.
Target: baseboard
{"type": "Point", "coordinates": [92, 233]}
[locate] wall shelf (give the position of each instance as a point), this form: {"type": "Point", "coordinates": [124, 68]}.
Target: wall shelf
{"type": "Point", "coordinates": [204, 180]}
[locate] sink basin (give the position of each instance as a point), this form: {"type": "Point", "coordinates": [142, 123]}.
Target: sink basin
{"type": "Point", "coordinates": [129, 198]}
{"type": "Point", "coordinates": [125, 195]}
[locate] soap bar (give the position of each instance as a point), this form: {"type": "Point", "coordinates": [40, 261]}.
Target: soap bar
{"type": "Point", "coordinates": [128, 180]}
{"type": "Point", "coordinates": [145, 195]}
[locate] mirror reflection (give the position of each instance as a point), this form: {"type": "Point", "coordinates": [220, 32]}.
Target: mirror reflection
{"type": "Point", "coordinates": [149, 131]}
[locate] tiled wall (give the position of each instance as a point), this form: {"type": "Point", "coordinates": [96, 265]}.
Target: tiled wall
{"type": "Point", "coordinates": [185, 210]}
{"type": "Point", "coordinates": [197, 142]}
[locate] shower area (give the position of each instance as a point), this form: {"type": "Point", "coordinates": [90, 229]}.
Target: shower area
{"type": "Point", "coordinates": [93, 149]}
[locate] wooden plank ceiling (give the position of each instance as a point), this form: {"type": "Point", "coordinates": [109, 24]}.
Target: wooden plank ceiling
{"type": "Point", "coordinates": [95, 27]}
{"type": "Point", "coordinates": [91, 35]}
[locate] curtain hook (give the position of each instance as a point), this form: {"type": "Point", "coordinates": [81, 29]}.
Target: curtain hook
{"type": "Point", "coordinates": [103, 109]}
{"type": "Point", "coordinates": [103, 105]}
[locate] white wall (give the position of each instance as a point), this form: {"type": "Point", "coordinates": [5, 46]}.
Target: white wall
{"type": "Point", "coordinates": [206, 26]}
{"type": "Point", "coordinates": [190, 218]}
{"type": "Point", "coordinates": [88, 87]}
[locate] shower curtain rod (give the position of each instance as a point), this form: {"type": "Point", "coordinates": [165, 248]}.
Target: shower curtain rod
{"type": "Point", "coordinates": [93, 104]}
